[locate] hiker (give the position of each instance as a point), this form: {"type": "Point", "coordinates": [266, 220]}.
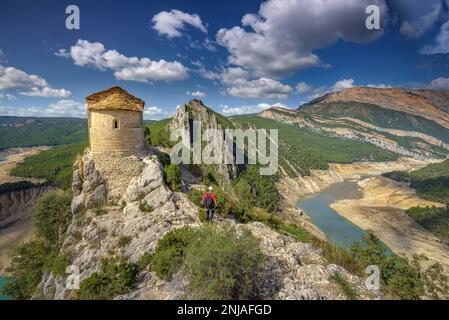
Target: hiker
{"type": "Point", "coordinates": [209, 202]}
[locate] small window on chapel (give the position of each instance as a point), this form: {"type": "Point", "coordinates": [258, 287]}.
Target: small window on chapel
{"type": "Point", "coordinates": [115, 124]}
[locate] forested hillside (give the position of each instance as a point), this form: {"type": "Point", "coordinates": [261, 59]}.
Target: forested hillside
{"type": "Point", "coordinates": [32, 131]}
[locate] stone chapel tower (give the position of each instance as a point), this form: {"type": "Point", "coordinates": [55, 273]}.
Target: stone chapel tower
{"type": "Point", "coordinates": [115, 122]}
{"type": "Point", "coordinates": [116, 140]}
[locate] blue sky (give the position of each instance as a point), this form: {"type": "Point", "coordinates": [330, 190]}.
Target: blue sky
{"type": "Point", "coordinates": [237, 56]}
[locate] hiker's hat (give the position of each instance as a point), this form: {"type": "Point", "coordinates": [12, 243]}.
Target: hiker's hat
{"type": "Point", "coordinates": [210, 188]}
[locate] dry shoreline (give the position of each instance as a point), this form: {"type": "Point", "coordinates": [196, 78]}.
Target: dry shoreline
{"type": "Point", "coordinates": [18, 228]}
{"type": "Point", "coordinates": [294, 189]}
{"type": "Point", "coordinates": [382, 209]}
{"type": "Point", "coordinates": [12, 159]}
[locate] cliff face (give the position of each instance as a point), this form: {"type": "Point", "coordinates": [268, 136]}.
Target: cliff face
{"type": "Point", "coordinates": [295, 270]}
{"type": "Point", "coordinates": [195, 110]}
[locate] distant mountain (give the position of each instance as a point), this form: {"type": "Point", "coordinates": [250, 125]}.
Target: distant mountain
{"type": "Point", "coordinates": [407, 122]}
{"type": "Point", "coordinates": [32, 131]}
{"type": "Point", "coordinates": [429, 104]}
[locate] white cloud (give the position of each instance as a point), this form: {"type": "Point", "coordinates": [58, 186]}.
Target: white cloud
{"type": "Point", "coordinates": [302, 87]}
{"type": "Point", "coordinates": [94, 54]}
{"type": "Point", "coordinates": [265, 88]}
{"type": "Point", "coordinates": [228, 111]}
{"type": "Point", "coordinates": [62, 53]}
{"type": "Point", "coordinates": [440, 84]}
{"type": "Point", "coordinates": [343, 84]}
{"type": "Point", "coordinates": [155, 113]}
{"type": "Point", "coordinates": [7, 96]}
{"type": "Point", "coordinates": [238, 83]}
{"type": "Point", "coordinates": [441, 42]}
{"type": "Point", "coordinates": [28, 84]}
{"type": "Point", "coordinates": [62, 108]}
{"type": "Point", "coordinates": [380, 86]}
{"type": "Point", "coordinates": [197, 94]}
{"type": "Point", "coordinates": [171, 23]}
{"type": "Point", "coordinates": [284, 33]}
{"type": "Point", "coordinates": [209, 45]}
{"type": "Point", "coordinates": [419, 27]}
{"type": "Point", "coordinates": [46, 92]}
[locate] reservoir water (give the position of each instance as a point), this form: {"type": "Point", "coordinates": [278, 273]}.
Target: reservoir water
{"type": "Point", "coordinates": [337, 229]}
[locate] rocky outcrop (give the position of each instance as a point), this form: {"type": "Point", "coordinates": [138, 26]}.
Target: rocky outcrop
{"type": "Point", "coordinates": [97, 226]}
{"type": "Point", "coordinates": [294, 270]}
{"type": "Point", "coordinates": [195, 110]}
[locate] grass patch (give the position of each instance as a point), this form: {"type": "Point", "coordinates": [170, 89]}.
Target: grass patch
{"type": "Point", "coordinates": [124, 241]}
{"type": "Point", "coordinates": [145, 207]}
{"type": "Point", "coordinates": [344, 285]}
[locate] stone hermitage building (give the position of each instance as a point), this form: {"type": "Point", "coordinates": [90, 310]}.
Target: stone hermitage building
{"type": "Point", "coordinates": [116, 139]}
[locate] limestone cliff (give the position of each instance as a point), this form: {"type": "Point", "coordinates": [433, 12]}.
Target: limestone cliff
{"type": "Point", "coordinates": [195, 110]}
{"type": "Point", "coordinates": [295, 270]}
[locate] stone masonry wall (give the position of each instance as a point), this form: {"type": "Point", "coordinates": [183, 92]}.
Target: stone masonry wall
{"type": "Point", "coordinates": [118, 169]}
{"type": "Point", "coordinates": [127, 138]}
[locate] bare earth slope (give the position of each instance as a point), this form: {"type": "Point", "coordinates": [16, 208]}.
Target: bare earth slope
{"type": "Point", "coordinates": [429, 104]}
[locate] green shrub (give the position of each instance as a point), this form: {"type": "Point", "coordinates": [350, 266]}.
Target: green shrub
{"type": "Point", "coordinates": [144, 261]}
{"type": "Point", "coordinates": [59, 264]}
{"type": "Point", "coordinates": [26, 268]}
{"type": "Point", "coordinates": [145, 207]}
{"type": "Point", "coordinates": [124, 241]}
{"type": "Point", "coordinates": [113, 278]}
{"type": "Point", "coordinates": [202, 214]}
{"type": "Point", "coordinates": [402, 279]}
{"type": "Point", "coordinates": [173, 176]}
{"type": "Point", "coordinates": [221, 264]}
{"type": "Point", "coordinates": [29, 260]}
{"type": "Point", "coordinates": [53, 216]}
{"type": "Point", "coordinates": [345, 286]}
{"type": "Point", "coordinates": [170, 252]}
{"type": "Point", "coordinates": [255, 190]}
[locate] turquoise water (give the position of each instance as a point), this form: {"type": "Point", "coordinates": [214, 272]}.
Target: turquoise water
{"type": "Point", "coordinates": [2, 281]}
{"type": "Point", "coordinates": [2, 159]}
{"type": "Point", "coordinates": [337, 229]}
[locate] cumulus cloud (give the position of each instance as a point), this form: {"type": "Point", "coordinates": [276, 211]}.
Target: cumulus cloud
{"type": "Point", "coordinates": [61, 108]}
{"type": "Point", "coordinates": [343, 84]}
{"type": "Point", "coordinates": [419, 27]}
{"type": "Point", "coordinates": [264, 88]}
{"type": "Point", "coordinates": [229, 111]}
{"type": "Point", "coordinates": [196, 94]}
{"type": "Point", "coordinates": [171, 23]}
{"type": "Point", "coordinates": [441, 42]}
{"type": "Point", "coordinates": [46, 92]}
{"type": "Point", "coordinates": [28, 84]}
{"type": "Point", "coordinates": [155, 113]}
{"type": "Point", "coordinates": [302, 87]}
{"type": "Point", "coordinates": [95, 55]}
{"type": "Point", "coordinates": [282, 36]}
{"type": "Point", "coordinates": [440, 84]}
{"type": "Point", "coordinates": [238, 83]}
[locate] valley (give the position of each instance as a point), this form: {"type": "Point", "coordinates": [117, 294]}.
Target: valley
{"type": "Point", "coordinates": [329, 192]}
